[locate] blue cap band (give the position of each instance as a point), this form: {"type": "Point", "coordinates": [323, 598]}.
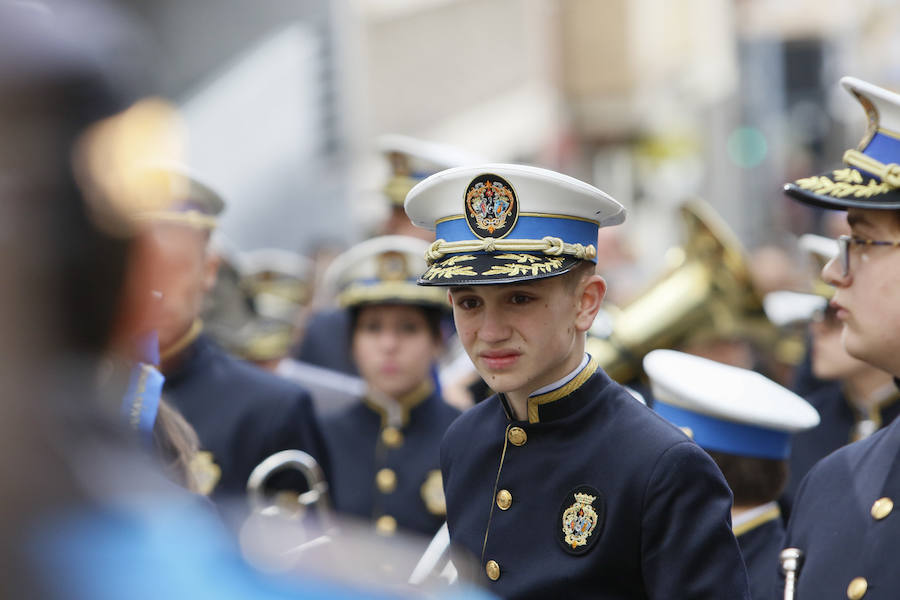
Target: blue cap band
{"type": "Point", "coordinates": [528, 227]}
{"type": "Point", "coordinates": [711, 433]}
{"type": "Point", "coordinates": [883, 148]}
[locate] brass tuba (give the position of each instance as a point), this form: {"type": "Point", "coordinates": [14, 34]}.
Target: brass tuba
{"type": "Point", "coordinates": [706, 293]}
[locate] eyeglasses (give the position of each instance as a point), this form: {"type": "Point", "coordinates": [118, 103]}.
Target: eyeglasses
{"type": "Point", "coordinates": [844, 243]}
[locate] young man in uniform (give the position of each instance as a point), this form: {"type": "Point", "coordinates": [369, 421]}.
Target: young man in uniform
{"type": "Point", "coordinates": [561, 484]}
{"type": "Point", "coordinates": [841, 521]}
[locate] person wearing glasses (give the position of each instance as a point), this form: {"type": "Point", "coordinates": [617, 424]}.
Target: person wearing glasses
{"type": "Point", "coordinates": [842, 520]}
{"type": "Point", "coordinates": [853, 398]}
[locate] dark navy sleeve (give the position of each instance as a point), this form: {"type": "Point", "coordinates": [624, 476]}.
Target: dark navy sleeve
{"type": "Point", "coordinates": [688, 548]}
{"type": "Point", "coordinates": [296, 427]}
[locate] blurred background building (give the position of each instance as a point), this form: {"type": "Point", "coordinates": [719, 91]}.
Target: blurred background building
{"type": "Point", "coordinates": [650, 100]}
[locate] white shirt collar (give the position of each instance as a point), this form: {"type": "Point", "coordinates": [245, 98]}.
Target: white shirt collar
{"type": "Point", "coordinates": [561, 382]}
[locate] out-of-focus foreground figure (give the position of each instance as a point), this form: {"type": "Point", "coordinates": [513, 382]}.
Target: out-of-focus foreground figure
{"type": "Point", "coordinates": [84, 513]}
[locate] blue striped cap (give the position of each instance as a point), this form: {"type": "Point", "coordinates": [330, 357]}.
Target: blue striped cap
{"type": "Point", "coordinates": [498, 223]}
{"type": "Point", "coordinates": [724, 408]}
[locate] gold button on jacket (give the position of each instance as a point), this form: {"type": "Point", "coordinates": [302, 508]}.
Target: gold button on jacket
{"type": "Point", "coordinates": [882, 508]}
{"type": "Point", "coordinates": [492, 569]}
{"type": "Point", "coordinates": [857, 588]}
{"type": "Point", "coordinates": [386, 525]}
{"type": "Point", "coordinates": [386, 480]}
{"type": "Point", "coordinates": [392, 437]}
{"type": "Point", "coordinates": [517, 436]}
{"type": "Point", "coordinates": [504, 499]}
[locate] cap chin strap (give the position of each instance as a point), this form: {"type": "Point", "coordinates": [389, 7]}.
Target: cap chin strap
{"type": "Point", "coordinates": [887, 173]}
{"type": "Point", "coordinates": [552, 246]}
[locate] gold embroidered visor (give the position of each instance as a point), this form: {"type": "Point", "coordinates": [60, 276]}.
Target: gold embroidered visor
{"type": "Point", "coordinates": [871, 177]}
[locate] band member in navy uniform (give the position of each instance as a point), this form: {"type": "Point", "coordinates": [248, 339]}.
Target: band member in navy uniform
{"type": "Point", "coordinates": [241, 413]}
{"type": "Point", "coordinates": [855, 400]}
{"type": "Point", "coordinates": [410, 160]}
{"type": "Point", "coordinates": [842, 519]}
{"type": "Point", "coordinates": [562, 484]}
{"type": "Point", "coordinates": [384, 449]}
{"type": "Point", "coordinates": [745, 422]}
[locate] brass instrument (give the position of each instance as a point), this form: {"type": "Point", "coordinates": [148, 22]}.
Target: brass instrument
{"type": "Point", "coordinates": [791, 559]}
{"type": "Point", "coordinates": [707, 293]}
{"type": "Point", "coordinates": [277, 533]}
{"type": "Point", "coordinates": [300, 461]}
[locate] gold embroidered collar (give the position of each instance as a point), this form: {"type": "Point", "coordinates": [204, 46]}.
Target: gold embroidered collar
{"type": "Point", "coordinates": [534, 402]}
{"type": "Point", "coordinates": [183, 342]}
{"type": "Point", "coordinates": [395, 411]}
{"type": "Point", "coordinates": [755, 517]}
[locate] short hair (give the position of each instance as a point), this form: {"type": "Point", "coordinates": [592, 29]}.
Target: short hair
{"type": "Point", "coordinates": [578, 273]}
{"type": "Point", "coordinates": [752, 480]}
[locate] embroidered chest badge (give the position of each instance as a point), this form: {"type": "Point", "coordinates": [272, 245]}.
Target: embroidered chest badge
{"type": "Point", "coordinates": [491, 207]}
{"type": "Point", "coordinates": [582, 521]}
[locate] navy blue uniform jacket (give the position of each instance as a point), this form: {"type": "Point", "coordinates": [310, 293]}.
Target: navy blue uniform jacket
{"type": "Point", "coordinates": [834, 521]}
{"type": "Point", "coordinates": [356, 445]}
{"type": "Point", "coordinates": [761, 544]}
{"type": "Point", "coordinates": [242, 414]}
{"type": "Point", "coordinates": [838, 421]}
{"type": "Point", "coordinates": [663, 508]}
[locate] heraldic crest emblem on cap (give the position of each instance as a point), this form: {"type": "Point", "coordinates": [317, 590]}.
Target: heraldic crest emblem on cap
{"type": "Point", "coordinates": [580, 520]}
{"type": "Point", "coordinates": [491, 206]}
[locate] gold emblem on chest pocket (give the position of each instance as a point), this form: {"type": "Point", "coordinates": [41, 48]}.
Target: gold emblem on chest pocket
{"type": "Point", "coordinates": [579, 520]}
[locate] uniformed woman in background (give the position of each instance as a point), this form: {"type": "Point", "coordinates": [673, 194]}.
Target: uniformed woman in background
{"type": "Point", "coordinates": [385, 448]}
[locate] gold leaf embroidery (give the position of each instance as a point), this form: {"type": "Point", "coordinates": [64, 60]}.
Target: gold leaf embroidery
{"type": "Point", "coordinates": [519, 268]}
{"type": "Point", "coordinates": [448, 272]}
{"type": "Point", "coordinates": [457, 259]}
{"type": "Point", "coordinates": [847, 182]}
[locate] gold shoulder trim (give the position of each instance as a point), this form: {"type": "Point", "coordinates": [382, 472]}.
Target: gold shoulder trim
{"type": "Point", "coordinates": [770, 515]}
{"type": "Point", "coordinates": [405, 403]}
{"type": "Point", "coordinates": [535, 401]}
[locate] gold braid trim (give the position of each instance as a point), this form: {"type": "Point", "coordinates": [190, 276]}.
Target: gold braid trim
{"type": "Point", "coordinates": [888, 173]}
{"type": "Point", "coordinates": [552, 246]}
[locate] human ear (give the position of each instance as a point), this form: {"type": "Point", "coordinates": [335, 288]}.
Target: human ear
{"type": "Point", "coordinates": [590, 296]}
